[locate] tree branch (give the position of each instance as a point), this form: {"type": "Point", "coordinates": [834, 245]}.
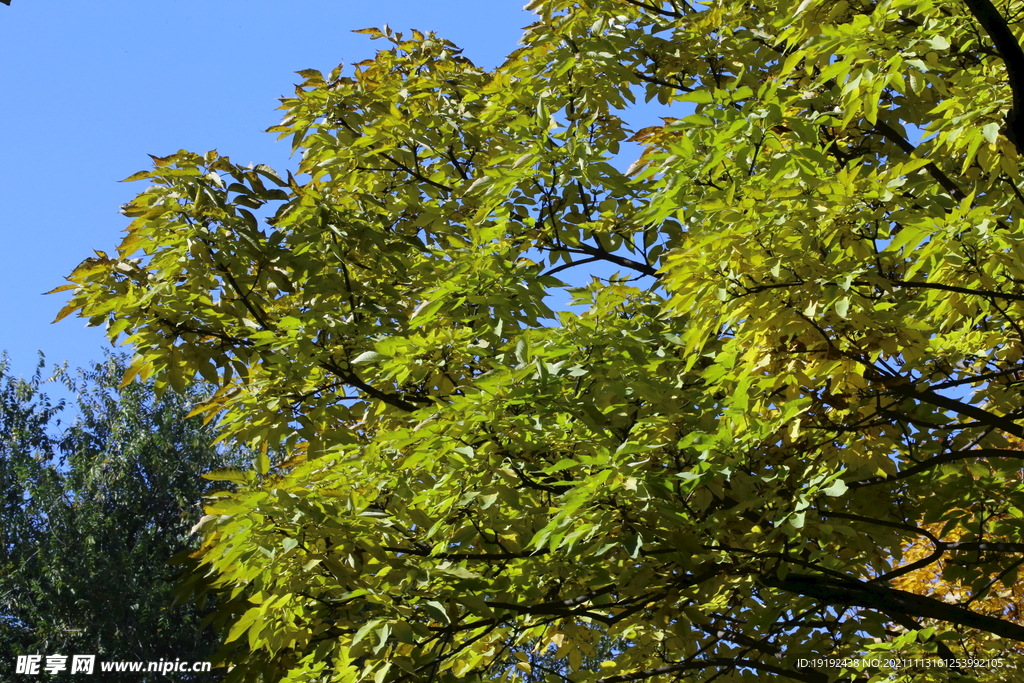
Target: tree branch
{"type": "Point", "coordinates": [658, 81]}
{"type": "Point", "coordinates": [948, 288]}
{"type": "Point", "coordinates": [891, 601]}
{"type": "Point", "coordinates": [1013, 57]}
{"type": "Point", "coordinates": [458, 557]}
{"type": "Point", "coordinates": [558, 607]}
{"type": "Point", "coordinates": [976, 546]}
{"type": "Point", "coordinates": [657, 10]}
{"type": "Point", "coordinates": [597, 252]}
{"type": "Point", "coordinates": [953, 456]}
{"type": "Point", "coordinates": [974, 379]}
{"type": "Point", "coordinates": [958, 407]}
{"type": "Point", "coordinates": [941, 178]}
{"type": "Point", "coordinates": [350, 378]}
{"type": "Point", "coordinates": [565, 266]}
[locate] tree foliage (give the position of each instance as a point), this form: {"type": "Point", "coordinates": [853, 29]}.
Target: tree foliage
{"type": "Point", "coordinates": [93, 511]}
{"type": "Point", "coordinates": [809, 357]}
{"type": "Point", "coordinates": [1002, 596]}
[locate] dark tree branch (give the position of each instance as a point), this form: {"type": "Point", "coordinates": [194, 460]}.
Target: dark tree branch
{"type": "Point", "coordinates": [948, 288]}
{"type": "Point", "coordinates": [984, 546]}
{"type": "Point", "coordinates": [396, 162]}
{"type": "Point", "coordinates": [959, 407]}
{"type": "Point", "coordinates": [999, 577]}
{"type": "Point", "coordinates": [974, 379]}
{"type": "Point", "coordinates": [597, 252]}
{"type": "Point", "coordinates": [350, 378]}
{"type": "Point", "coordinates": [732, 636]}
{"type": "Point", "coordinates": [1013, 57]}
{"type": "Point", "coordinates": [244, 298]}
{"type": "Point", "coordinates": [891, 601]}
{"type": "Point", "coordinates": [940, 549]}
{"type": "Point", "coordinates": [882, 522]}
{"type": "Point", "coordinates": [657, 10]}
{"type": "Point", "coordinates": [928, 464]}
{"type": "Point", "coordinates": [539, 486]}
{"type": "Point", "coordinates": [565, 608]}
{"type": "Point", "coordinates": [415, 174]}
{"type": "Point", "coordinates": [564, 266]}
{"type": "Point", "coordinates": [658, 81]}
{"type": "Point", "coordinates": [178, 328]}
{"type": "Point", "coordinates": [902, 284]}
{"type": "Point", "coordinates": [941, 178]}
{"type": "Point", "coordinates": [495, 557]}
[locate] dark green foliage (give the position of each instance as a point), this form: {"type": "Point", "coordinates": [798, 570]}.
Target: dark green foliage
{"type": "Point", "coordinates": [92, 510]}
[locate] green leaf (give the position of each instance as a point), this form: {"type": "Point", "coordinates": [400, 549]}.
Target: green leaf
{"type": "Point", "coordinates": [842, 306]}
{"type": "Point", "coordinates": [990, 131]}
{"type": "Point", "coordinates": [436, 610]}
{"type": "Point", "coordinates": [836, 489]}
{"type": "Point", "coordinates": [233, 474]}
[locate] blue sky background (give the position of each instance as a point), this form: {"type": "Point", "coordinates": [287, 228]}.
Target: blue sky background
{"type": "Point", "coordinates": [87, 90]}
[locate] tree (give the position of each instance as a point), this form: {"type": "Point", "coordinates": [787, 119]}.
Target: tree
{"type": "Point", "coordinates": [811, 350]}
{"type": "Point", "coordinates": [92, 515]}
{"type": "Point", "coordinates": [25, 416]}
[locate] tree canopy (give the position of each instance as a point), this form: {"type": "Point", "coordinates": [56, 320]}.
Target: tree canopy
{"type": "Point", "coordinates": [720, 457]}
{"type": "Point", "coordinates": [93, 510]}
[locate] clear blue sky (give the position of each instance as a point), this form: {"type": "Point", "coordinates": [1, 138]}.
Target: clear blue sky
{"type": "Point", "coordinates": [88, 89]}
